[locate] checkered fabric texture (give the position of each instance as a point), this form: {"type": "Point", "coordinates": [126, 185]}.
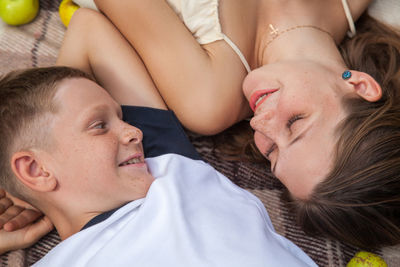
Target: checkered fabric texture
{"type": "Point", "coordinates": [37, 45]}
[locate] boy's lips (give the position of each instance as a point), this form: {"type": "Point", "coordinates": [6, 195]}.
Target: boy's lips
{"type": "Point", "coordinates": [259, 96]}
{"type": "Point", "coordinates": [134, 159]}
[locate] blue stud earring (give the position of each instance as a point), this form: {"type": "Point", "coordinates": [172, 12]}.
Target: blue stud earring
{"type": "Point", "coordinates": [346, 74]}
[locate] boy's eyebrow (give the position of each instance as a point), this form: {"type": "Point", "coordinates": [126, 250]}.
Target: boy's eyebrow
{"type": "Point", "coordinates": [92, 111]}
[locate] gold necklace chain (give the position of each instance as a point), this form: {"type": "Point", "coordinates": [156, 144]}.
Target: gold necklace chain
{"type": "Point", "coordinates": [276, 33]}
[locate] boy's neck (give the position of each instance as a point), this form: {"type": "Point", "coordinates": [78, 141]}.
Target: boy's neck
{"type": "Point", "coordinates": [70, 219]}
{"type": "Point", "coordinates": [67, 225]}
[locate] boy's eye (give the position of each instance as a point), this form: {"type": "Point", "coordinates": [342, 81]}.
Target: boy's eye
{"type": "Point", "coordinates": [98, 125]}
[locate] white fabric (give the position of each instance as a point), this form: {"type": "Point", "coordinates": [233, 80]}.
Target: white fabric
{"type": "Point", "coordinates": [238, 52]}
{"type": "Point", "coordinates": [349, 18]}
{"type": "Point", "coordinates": [191, 216]}
{"type": "Point", "coordinates": [201, 17]}
{"type": "Point", "coordinates": [387, 11]}
{"type": "Point", "coordinates": [86, 3]}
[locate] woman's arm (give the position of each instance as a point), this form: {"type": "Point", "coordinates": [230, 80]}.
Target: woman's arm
{"type": "Point", "coordinates": [95, 46]}
{"type": "Point", "coordinates": [202, 84]}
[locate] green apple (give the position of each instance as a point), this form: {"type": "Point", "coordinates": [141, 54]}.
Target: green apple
{"type": "Point", "coordinates": [366, 259]}
{"type": "Point", "coordinates": [18, 12]}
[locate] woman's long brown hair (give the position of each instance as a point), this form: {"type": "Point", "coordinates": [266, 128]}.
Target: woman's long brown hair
{"type": "Point", "coordinates": [359, 201]}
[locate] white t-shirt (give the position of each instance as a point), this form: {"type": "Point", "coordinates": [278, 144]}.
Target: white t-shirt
{"type": "Point", "coordinates": [191, 216]}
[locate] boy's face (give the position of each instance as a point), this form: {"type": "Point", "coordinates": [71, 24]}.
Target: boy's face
{"type": "Point", "coordinates": [96, 157]}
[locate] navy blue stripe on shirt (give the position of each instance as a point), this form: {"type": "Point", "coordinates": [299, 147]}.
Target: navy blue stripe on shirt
{"type": "Point", "coordinates": [162, 132]}
{"type": "Point", "coordinates": [99, 218]}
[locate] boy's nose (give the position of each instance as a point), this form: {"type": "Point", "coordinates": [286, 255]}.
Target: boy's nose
{"type": "Point", "coordinates": [132, 134]}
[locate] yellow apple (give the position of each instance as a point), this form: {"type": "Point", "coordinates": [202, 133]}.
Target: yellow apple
{"type": "Point", "coordinates": [366, 259]}
{"type": "Point", "coordinates": [18, 12]}
{"type": "Point", "coordinates": [66, 10]}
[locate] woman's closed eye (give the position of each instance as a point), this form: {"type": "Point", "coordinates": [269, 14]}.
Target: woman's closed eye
{"type": "Point", "coordinates": [270, 150]}
{"type": "Point", "coordinates": [289, 124]}
{"type": "Point", "coordinates": [293, 119]}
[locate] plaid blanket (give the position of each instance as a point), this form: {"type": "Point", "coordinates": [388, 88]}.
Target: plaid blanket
{"type": "Point", "coordinates": [37, 44]}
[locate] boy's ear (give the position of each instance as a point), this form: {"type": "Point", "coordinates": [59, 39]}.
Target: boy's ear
{"type": "Point", "coordinates": [31, 172]}
{"type": "Point", "coordinates": [365, 86]}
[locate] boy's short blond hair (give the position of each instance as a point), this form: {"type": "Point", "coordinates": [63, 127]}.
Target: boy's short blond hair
{"type": "Point", "coordinates": [26, 101]}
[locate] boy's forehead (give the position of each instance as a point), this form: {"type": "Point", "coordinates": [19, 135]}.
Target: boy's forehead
{"type": "Point", "coordinates": [80, 98]}
{"type": "Point", "coordinates": [75, 90]}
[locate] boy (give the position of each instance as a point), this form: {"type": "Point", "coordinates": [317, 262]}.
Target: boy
{"type": "Point", "coordinates": [74, 158]}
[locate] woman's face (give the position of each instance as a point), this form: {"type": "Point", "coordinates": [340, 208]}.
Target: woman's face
{"type": "Point", "coordinates": [297, 108]}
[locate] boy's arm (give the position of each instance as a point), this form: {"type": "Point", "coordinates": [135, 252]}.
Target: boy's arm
{"type": "Point", "coordinates": [20, 224]}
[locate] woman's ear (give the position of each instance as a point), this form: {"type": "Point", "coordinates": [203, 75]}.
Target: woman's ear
{"type": "Point", "coordinates": [29, 171]}
{"type": "Point", "coordinates": [365, 86]}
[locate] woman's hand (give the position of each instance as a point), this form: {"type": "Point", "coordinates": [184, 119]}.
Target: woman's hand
{"type": "Point", "coordinates": [21, 225]}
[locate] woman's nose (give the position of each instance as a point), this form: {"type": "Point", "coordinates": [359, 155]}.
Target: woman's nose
{"type": "Point", "coordinates": [261, 120]}
{"type": "Point", "coordinates": [131, 135]}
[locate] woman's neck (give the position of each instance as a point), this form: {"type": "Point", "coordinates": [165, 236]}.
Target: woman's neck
{"type": "Point", "coordinates": [329, 25]}
{"type": "Point", "coordinates": [298, 42]}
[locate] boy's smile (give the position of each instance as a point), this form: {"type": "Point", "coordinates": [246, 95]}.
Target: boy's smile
{"type": "Point", "coordinates": [96, 157]}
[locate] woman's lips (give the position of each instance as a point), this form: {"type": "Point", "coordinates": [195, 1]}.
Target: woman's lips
{"type": "Point", "coordinates": [254, 99]}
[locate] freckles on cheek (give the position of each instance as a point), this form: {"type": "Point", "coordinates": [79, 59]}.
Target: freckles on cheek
{"type": "Point", "coordinates": [106, 152]}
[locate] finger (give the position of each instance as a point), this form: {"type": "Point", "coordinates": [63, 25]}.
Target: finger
{"type": "Point", "coordinates": [5, 203]}
{"type": "Point", "coordinates": [38, 230]}
{"type": "Point", "coordinates": [25, 237]}
{"type": "Point", "coordinates": [21, 220]}
{"type": "Point", "coordinates": [9, 214]}
{"type": "Point", "coordinates": [7, 242]}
